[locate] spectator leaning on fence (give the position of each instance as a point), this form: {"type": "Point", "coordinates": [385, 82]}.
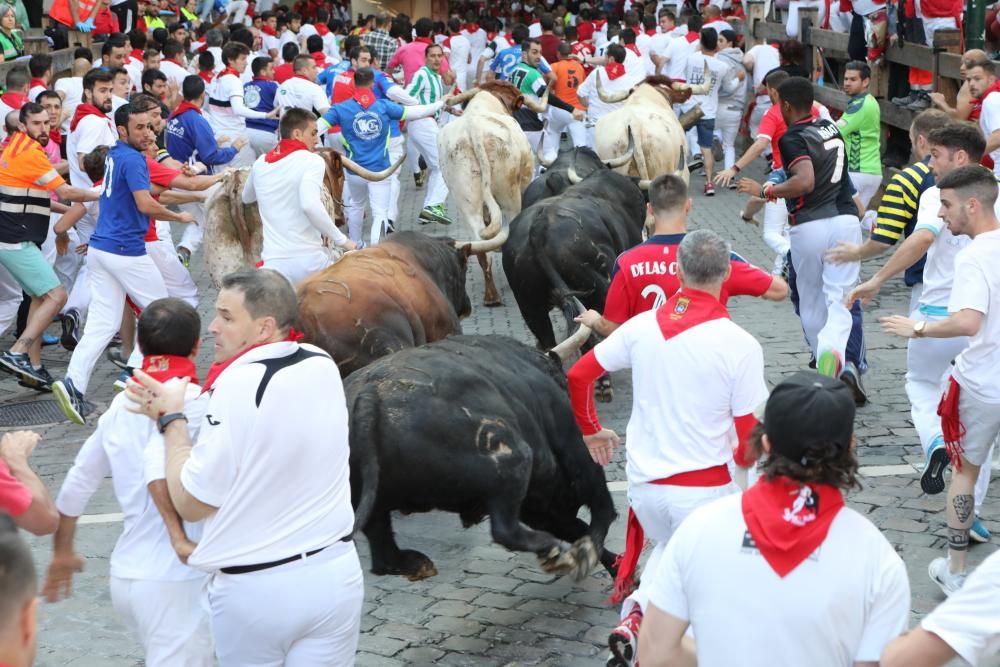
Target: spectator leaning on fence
{"type": "Point", "coordinates": [918, 21]}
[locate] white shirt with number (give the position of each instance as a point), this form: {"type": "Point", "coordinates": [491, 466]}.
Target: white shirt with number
{"type": "Point", "coordinates": [841, 605]}
{"type": "Point", "coordinates": [969, 620]}
{"type": "Point", "coordinates": [977, 287]}
{"type": "Point", "coordinates": [694, 73]}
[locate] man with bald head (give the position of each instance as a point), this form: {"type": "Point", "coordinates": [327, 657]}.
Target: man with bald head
{"type": "Point", "coordinates": [965, 104]}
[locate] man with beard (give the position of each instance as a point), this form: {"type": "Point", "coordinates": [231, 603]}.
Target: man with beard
{"type": "Point", "coordinates": [90, 126]}
{"type": "Point", "coordinates": [26, 180]}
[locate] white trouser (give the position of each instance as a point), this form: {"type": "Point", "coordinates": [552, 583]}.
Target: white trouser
{"type": "Point", "coordinates": [49, 245]}
{"type": "Point", "coordinates": [193, 234]}
{"type": "Point", "coordinates": [761, 105]}
{"type": "Point", "coordinates": [237, 11]}
{"type": "Point", "coordinates": [422, 138]}
{"type": "Point", "coordinates": [660, 508]}
{"type": "Point", "coordinates": [79, 296]}
{"type": "Point", "coordinates": [928, 367]}
{"type": "Point", "coordinates": [261, 141]}
{"type": "Point", "coordinates": [534, 139]}
{"type": "Point", "coordinates": [461, 76]}
{"type": "Point", "coordinates": [727, 126]}
{"type": "Point", "coordinates": [823, 285]}
{"type": "Point", "coordinates": [176, 278]}
{"type": "Point", "coordinates": [169, 618]}
{"type": "Point", "coordinates": [561, 121]}
{"type": "Point", "coordinates": [244, 158]}
{"type": "Point", "coordinates": [297, 269]}
{"type": "Point", "coordinates": [362, 192]}
{"type": "Point", "coordinates": [792, 26]}
{"type": "Point", "coordinates": [112, 278]}
{"type": "Point", "coordinates": [866, 185]}
{"type": "Point", "coordinates": [303, 614]}
{"type": "Point", "coordinates": [775, 231]}
{"type": "Point", "coordinates": [67, 267]}
{"type": "Point", "coordinates": [397, 146]}
{"type": "Point", "coordinates": [10, 299]}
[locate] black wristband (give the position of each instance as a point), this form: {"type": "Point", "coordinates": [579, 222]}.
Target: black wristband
{"type": "Point", "coordinates": [165, 420]}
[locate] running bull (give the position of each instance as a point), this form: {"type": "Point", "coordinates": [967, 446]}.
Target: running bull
{"type": "Point", "coordinates": [480, 426]}
{"type": "Point", "coordinates": [564, 247]}
{"type": "Point", "coordinates": [487, 162]}
{"type": "Point", "coordinates": [556, 177]}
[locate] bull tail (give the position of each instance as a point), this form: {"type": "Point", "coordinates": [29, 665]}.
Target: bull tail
{"type": "Point", "coordinates": [640, 160]}
{"type": "Point", "coordinates": [565, 297]}
{"type": "Point", "coordinates": [495, 213]}
{"type": "Point", "coordinates": [364, 438]}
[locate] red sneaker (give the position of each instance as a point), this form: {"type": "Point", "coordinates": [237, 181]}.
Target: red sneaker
{"type": "Point", "coordinates": [709, 189]}
{"type": "Point", "coordinates": [624, 641]}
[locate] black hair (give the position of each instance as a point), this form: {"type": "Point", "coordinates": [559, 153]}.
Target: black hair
{"type": "Point", "coordinates": [151, 76]}
{"type": "Point", "coordinates": [192, 87]}
{"type": "Point", "coordinates": [861, 67]}
{"type": "Point", "coordinates": [168, 326]}
{"type": "Point", "coordinates": [259, 64]}
{"type": "Point", "coordinates": [798, 92]}
{"type": "Point", "coordinates": [206, 61]}
{"type": "Point", "coordinates": [232, 51]}
{"type": "Point", "coordinates": [363, 76]}
{"type": "Point", "coordinates": [289, 51]}
{"type": "Point", "coordinates": [93, 77]}
{"type": "Point", "coordinates": [314, 44]}
{"type": "Point", "coordinates": [172, 48]}
{"type": "Point", "coordinates": [30, 109]}
{"type": "Point", "coordinates": [959, 137]}
{"type": "Point", "coordinates": [39, 64]}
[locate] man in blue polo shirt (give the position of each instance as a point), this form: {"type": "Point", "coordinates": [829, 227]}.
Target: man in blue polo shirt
{"type": "Point", "coordinates": [117, 260]}
{"type": "Point", "coordinates": [364, 123]}
{"type": "Point", "coordinates": [507, 60]}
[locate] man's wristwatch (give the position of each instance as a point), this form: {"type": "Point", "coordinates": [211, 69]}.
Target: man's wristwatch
{"type": "Point", "coordinates": [918, 328]}
{"type": "Point", "coordinates": [164, 420]}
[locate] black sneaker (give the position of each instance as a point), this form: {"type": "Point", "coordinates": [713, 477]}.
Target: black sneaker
{"type": "Point", "coordinates": [70, 329]}
{"type": "Point", "coordinates": [114, 355]}
{"type": "Point", "coordinates": [852, 378]}
{"type": "Point", "coordinates": [922, 102]}
{"type": "Point", "coordinates": [70, 401]}
{"type": "Point", "coordinates": [36, 385]}
{"type": "Point", "coordinates": [696, 163]}
{"type": "Point", "coordinates": [908, 99]}
{"type": "Point", "coordinates": [420, 178]}
{"type": "Point", "coordinates": [17, 363]}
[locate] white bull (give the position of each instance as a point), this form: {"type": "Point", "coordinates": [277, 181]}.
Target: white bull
{"type": "Point", "coordinates": [648, 116]}
{"type": "Point", "coordinates": [487, 162]}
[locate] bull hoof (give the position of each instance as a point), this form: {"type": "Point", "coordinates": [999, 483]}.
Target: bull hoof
{"type": "Point", "coordinates": [411, 564]}
{"type": "Point", "coordinates": [493, 303]}
{"type": "Point", "coordinates": [604, 393]}
{"type": "Point", "coordinates": [558, 560]}
{"type": "Point", "coordinates": [585, 555]}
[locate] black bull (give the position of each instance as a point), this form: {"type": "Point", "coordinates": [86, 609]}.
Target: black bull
{"type": "Point", "coordinates": [479, 426]}
{"type": "Point", "coordinates": [565, 246]}
{"type": "Point", "coordinates": [556, 177]}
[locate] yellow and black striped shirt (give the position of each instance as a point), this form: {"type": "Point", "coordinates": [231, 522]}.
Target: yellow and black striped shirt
{"type": "Point", "coordinates": [897, 212]}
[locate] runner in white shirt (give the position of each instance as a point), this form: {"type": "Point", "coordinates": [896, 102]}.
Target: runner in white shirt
{"type": "Point", "coordinates": [613, 80]}
{"type": "Point", "coordinates": [70, 89]}
{"type": "Point", "coordinates": [90, 126]}
{"type": "Point", "coordinates": [286, 184]}
{"type": "Point", "coordinates": [679, 434]}
{"type": "Point", "coordinates": [156, 594]}
{"type": "Point", "coordinates": [172, 62]}
{"type": "Point", "coordinates": [285, 583]}
{"type": "Point", "coordinates": [490, 49]}
{"type": "Point", "coordinates": [966, 625]}
{"type": "Point", "coordinates": [760, 60]}
{"type": "Point", "coordinates": [226, 110]}
{"type": "Point", "coordinates": [459, 53]}
{"type": "Point", "coordinates": [477, 36]}
{"type": "Point", "coordinates": [970, 407]}
{"type": "Point", "coordinates": [302, 91]}
{"type": "Point", "coordinates": [783, 573]}
{"type": "Point", "coordinates": [675, 57]}
{"type": "Point", "coordinates": [724, 77]}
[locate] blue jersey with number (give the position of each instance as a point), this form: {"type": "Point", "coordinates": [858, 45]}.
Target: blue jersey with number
{"type": "Point", "coordinates": [365, 132]}
{"type": "Point", "coordinates": [508, 59]}
{"type": "Point", "coordinates": [121, 227]}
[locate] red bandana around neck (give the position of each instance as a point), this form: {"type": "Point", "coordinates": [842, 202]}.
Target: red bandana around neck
{"type": "Point", "coordinates": [55, 137]}
{"type": "Point", "coordinates": [14, 100]}
{"type": "Point", "coordinates": [322, 29]}
{"type": "Point", "coordinates": [788, 520]}
{"type": "Point", "coordinates": [634, 49]}
{"type": "Point", "coordinates": [303, 77]}
{"type": "Point", "coordinates": [284, 148]}
{"type": "Point", "coordinates": [320, 59]}
{"type": "Point", "coordinates": [38, 82]}
{"type": "Point", "coordinates": [185, 106]}
{"type": "Point", "coordinates": [692, 37]}
{"type": "Point", "coordinates": [268, 30]}
{"type": "Point", "coordinates": [217, 368]}
{"type": "Point", "coordinates": [162, 367]}
{"type": "Point", "coordinates": [174, 61]}
{"type": "Point", "coordinates": [422, 40]}
{"type": "Point", "coordinates": [84, 110]}
{"type": "Point", "coordinates": [614, 70]}
{"type": "Point", "coordinates": [687, 309]}
{"type": "Point", "coordinates": [207, 76]}
{"type": "Point", "coordinates": [229, 70]}
{"type": "Point", "coordinates": [471, 27]}
{"type": "Point", "coordinates": [652, 32]}
{"type": "Point", "coordinates": [137, 54]}
{"type": "Point", "coordinates": [364, 97]}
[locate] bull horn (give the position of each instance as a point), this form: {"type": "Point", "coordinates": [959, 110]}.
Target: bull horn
{"type": "Point", "coordinates": [610, 98]}
{"type": "Point", "coordinates": [571, 345]}
{"type": "Point", "coordinates": [644, 184]}
{"type": "Point", "coordinates": [368, 175]}
{"type": "Point", "coordinates": [691, 117]}
{"type": "Point", "coordinates": [705, 85]}
{"type": "Point", "coordinates": [541, 143]}
{"type": "Point", "coordinates": [540, 106]}
{"type": "Point", "coordinates": [461, 98]}
{"type": "Point", "coordinates": [483, 247]}
{"type": "Point", "coordinates": [627, 156]}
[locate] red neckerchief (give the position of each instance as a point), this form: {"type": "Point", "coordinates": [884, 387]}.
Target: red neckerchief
{"type": "Point", "coordinates": [650, 33]}
{"type": "Point", "coordinates": [320, 59]}
{"type": "Point", "coordinates": [162, 367]}
{"type": "Point", "coordinates": [322, 29]}
{"type": "Point", "coordinates": [174, 61]}
{"type": "Point", "coordinates": [207, 75]}
{"type": "Point", "coordinates": [217, 368]}
{"type": "Point", "coordinates": [14, 100]}
{"type": "Point", "coordinates": [599, 23]}
{"type": "Point", "coordinates": [185, 106]}
{"type": "Point", "coordinates": [692, 37]}
{"type": "Point", "coordinates": [54, 136]}
{"type": "Point", "coordinates": [447, 42]}
{"type": "Point", "coordinates": [637, 30]}
{"type": "Point", "coordinates": [268, 30]}
{"type": "Point", "coordinates": [84, 110]}
{"type": "Point", "coordinates": [490, 36]}
{"type": "Point", "coordinates": [688, 308]}
{"type": "Point", "coordinates": [229, 70]}
{"type": "Point", "coordinates": [789, 520]}
{"type": "Point", "coordinates": [284, 148]}
{"type": "Point", "coordinates": [614, 70]}
{"type": "Point", "coordinates": [951, 423]}
{"type": "Point", "coordinates": [471, 27]}
{"type": "Point", "coordinates": [364, 96]}
{"type": "Point", "coordinates": [422, 40]}
{"type": "Point", "coordinates": [37, 82]}
{"type": "Point", "coordinates": [137, 54]}
{"type": "Point", "coordinates": [634, 49]}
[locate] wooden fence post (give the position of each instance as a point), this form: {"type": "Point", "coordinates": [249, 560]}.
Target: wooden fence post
{"type": "Point", "coordinates": [946, 41]}
{"type": "Point", "coordinates": [755, 14]}
{"type": "Point", "coordinates": [809, 18]}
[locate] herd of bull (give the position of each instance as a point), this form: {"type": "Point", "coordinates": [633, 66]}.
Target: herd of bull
{"type": "Point", "coordinates": [480, 426]}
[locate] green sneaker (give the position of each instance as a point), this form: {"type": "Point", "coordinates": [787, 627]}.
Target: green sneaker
{"type": "Point", "coordinates": [829, 364]}
{"type": "Point", "coordinates": [434, 214]}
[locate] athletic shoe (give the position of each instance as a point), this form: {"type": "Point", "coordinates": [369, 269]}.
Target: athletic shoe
{"type": "Point", "coordinates": [70, 401]}
{"type": "Point", "coordinates": [18, 364]}
{"type": "Point", "coordinates": [434, 214]}
{"type": "Point", "coordinates": [122, 382]}
{"type": "Point", "coordinates": [420, 178]}
{"type": "Point", "coordinates": [696, 163]}
{"type": "Point", "coordinates": [49, 339]}
{"type": "Point", "coordinates": [623, 641]}
{"type": "Point", "coordinates": [184, 257]}
{"type": "Point", "coordinates": [709, 189]}
{"type": "Point", "coordinates": [749, 220]}
{"type": "Point", "coordinates": [38, 386]}
{"type": "Point", "coordinates": [852, 378]}
{"type": "Point", "coordinates": [733, 186]}
{"type": "Point", "coordinates": [979, 532]}
{"type": "Point", "coordinates": [70, 329]}
{"type": "Point", "coordinates": [940, 574]}
{"type": "Point", "coordinates": [829, 364]}
{"type": "Point", "coordinates": [932, 479]}
{"type": "Point", "coordinates": [903, 101]}
{"type": "Point", "coordinates": [114, 355]}
{"type": "Point", "coordinates": [922, 101]}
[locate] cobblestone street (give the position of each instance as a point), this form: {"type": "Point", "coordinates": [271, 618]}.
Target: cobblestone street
{"type": "Point", "coordinates": [488, 606]}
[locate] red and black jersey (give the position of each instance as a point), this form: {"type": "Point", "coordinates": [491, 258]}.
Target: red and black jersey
{"type": "Point", "coordinates": [820, 142]}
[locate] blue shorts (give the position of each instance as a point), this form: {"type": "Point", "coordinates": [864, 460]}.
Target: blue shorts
{"type": "Point", "coordinates": [705, 128]}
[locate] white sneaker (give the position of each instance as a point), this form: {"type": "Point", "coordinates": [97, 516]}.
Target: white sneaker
{"type": "Point", "coordinates": [942, 575]}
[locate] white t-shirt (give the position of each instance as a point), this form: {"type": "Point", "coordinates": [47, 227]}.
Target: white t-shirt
{"type": "Point", "coordinates": [718, 25]}
{"type": "Point", "coordinates": [300, 93]}
{"type": "Point", "coordinates": [596, 107]}
{"type": "Point", "coordinates": [90, 132]}
{"type": "Point", "coordinates": [842, 604]}
{"type": "Point", "coordinates": [658, 44]}
{"type": "Point", "coordinates": [677, 53]}
{"type": "Point", "coordinates": [989, 121]}
{"type": "Point", "coordinates": [535, 30]}
{"type": "Point", "coordinates": [306, 31]}
{"type": "Point", "coordinates": [694, 74]}
{"type": "Point", "coordinates": [969, 620]}
{"type": "Point", "coordinates": [174, 72]}
{"type": "Point", "coordinates": [222, 119]}
{"type": "Point", "coordinates": [460, 49]}
{"type": "Point", "coordinates": [939, 269]}
{"type": "Point", "coordinates": [278, 472]}
{"type": "Point", "coordinates": [217, 52]}
{"type": "Point", "coordinates": [477, 42]}
{"type": "Point", "coordinates": [271, 43]}
{"type": "Point", "coordinates": [676, 426]}
{"type": "Point", "coordinates": [34, 92]}
{"type": "Point", "coordinates": [977, 287]}
{"type": "Point", "coordinates": [129, 448]}
{"type": "Point", "coordinates": [287, 37]}
{"type": "Point", "coordinates": [765, 58]}
{"type": "Point", "coordinates": [72, 89]}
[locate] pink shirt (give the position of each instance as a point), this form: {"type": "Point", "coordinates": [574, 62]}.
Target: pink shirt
{"type": "Point", "coordinates": [52, 150]}
{"type": "Point", "coordinates": [412, 57]}
{"type": "Point", "coordinates": [15, 498]}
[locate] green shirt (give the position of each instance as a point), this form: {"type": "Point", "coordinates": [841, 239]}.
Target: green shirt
{"type": "Point", "coordinates": [528, 79]}
{"type": "Point", "coordinates": [11, 47]}
{"type": "Point", "coordinates": [861, 128]}
{"type": "Point", "coordinates": [426, 86]}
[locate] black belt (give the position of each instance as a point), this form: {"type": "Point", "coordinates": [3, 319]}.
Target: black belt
{"type": "Point", "coordinates": [246, 569]}
{"type": "Point", "coordinates": [219, 103]}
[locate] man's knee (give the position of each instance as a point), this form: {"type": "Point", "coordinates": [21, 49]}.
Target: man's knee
{"type": "Point", "coordinates": [58, 296]}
